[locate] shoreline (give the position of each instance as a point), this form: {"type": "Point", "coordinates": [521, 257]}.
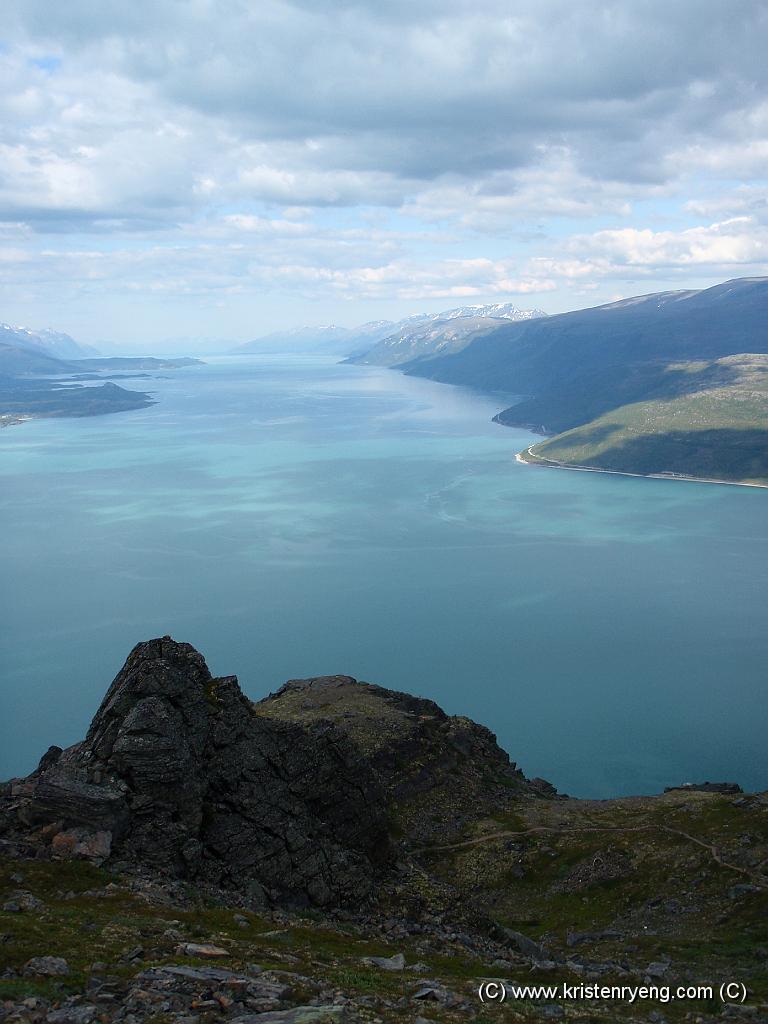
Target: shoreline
{"type": "Point", "coordinates": [534, 460]}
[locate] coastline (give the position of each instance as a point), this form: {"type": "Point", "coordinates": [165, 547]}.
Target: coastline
{"type": "Point", "coordinates": [534, 460]}
{"type": "Point", "coordinates": [12, 420]}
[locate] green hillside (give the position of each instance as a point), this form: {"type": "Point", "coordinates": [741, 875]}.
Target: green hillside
{"type": "Point", "coordinates": [715, 427]}
{"type": "Point", "coordinates": [672, 382]}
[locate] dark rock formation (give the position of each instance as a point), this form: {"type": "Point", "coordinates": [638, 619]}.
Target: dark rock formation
{"type": "Point", "coordinates": [289, 800]}
{"type": "Point", "coordinates": [186, 777]}
{"type": "Point", "coordinates": [438, 771]}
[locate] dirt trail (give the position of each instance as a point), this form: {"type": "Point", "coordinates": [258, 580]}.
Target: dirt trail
{"type": "Point", "coordinates": [754, 874]}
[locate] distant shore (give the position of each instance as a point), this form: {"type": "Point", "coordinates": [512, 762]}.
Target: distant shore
{"type": "Point", "coordinates": [536, 460]}
{"type": "Point", "coordinates": [11, 420]}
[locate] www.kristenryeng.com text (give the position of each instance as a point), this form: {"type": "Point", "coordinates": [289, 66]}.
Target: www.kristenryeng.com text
{"type": "Point", "coordinates": [496, 991]}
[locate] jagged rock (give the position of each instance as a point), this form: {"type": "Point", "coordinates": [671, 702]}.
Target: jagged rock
{"type": "Point", "coordinates": [62, 795]}
{"type": "Point", "coordinates": [441, 771]}
{"type": "Point", "coordinates": [287, 800]}
{"type": "Point", "coordinates": [186, 777]}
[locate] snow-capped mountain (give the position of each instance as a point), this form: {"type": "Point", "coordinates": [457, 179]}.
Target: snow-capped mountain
{"type": "Point", "coordinates": [497, 310]}
{"type": "Point", "coordinates": [52, 343]}
{"type": "Point", "coordinates": [428, 334]}
{"type": "Point", "coordinates": [374, 333]}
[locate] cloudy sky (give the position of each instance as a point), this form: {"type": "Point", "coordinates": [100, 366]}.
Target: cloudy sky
{"type": "Point", "coordinates": [223, 168]}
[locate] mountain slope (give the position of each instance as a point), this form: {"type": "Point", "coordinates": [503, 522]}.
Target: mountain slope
{"type": "Point", "coordinates": [370, 342]}
{"type": "Point", "coordinates": [16, 361]}
{"type": "Point", "coordinates": [52, 343]}
{"type": "Point", "coordinates": [716, 429]}
{"type": "Point", "coordinates": [539, 356]}
{"type": "Point", "coordinates": [590, 369]}
{"type": "Point", "coordinates": [429, 335]}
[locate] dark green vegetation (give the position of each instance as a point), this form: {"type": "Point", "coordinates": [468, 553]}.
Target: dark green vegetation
{"type": "Point", "coordinates": [665, 383]}
{"type": "Point", "coordinates": [481, 873]}
{"type": "Point", "coordinates": [716, 424]}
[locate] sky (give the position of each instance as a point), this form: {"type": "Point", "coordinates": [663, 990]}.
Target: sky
{"type": "Point", "coordinates": [195, 172]}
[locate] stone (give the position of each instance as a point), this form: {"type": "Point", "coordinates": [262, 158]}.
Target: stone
{"type": "Point", "coordinates": [202, 949]}
{"type": "Point", "coordinates": [391, 963]}
{"type": "Point", "coordinates": [207, 975]}
{"type": "Point", "coordinates": [82, 844]}
{"type": "Point", "coordinates": [657, 970]}
{"type": "Point", "coordinates": [46, 967]}
{"type": "Point", "coordinates": [742, 889]}
{"type": "Point", "coordinates": [297, 1015]}
{"type": "Point", "coordinates": [435, 992]}
{"type": "Point", "coordinates": [524, 945]}
{"type": "Point", "coordinates": [579, 938]}
{"type": "Point", "coordinates": [62, 796]}
{"type": "Point", "coordinates": [73, 1015]}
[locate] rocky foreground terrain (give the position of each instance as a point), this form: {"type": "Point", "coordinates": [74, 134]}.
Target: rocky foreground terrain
{"type": "Point", "coordinates": [342, 852]}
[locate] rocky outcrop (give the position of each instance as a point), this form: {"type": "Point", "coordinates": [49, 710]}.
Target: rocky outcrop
{"type": "Point", "coordinates": [438, 771]}
{"type": "Point", "coordinates": [185, 777]}
{"type": "Point", "coordinates": [293, 799]}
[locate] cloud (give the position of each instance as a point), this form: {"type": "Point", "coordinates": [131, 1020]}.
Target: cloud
{"type": "Point", "coordinates": [359, 103]}
{"type": "Point", "coordinates": [735, 242]}
{"type": "Point", "coordinates": [357, 148]}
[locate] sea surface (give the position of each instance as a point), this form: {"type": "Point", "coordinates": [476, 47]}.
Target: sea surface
{"type": "Point", "coordinates": [292, 517]}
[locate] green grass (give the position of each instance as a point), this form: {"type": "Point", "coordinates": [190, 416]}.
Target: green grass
{"type": "Point", "coordinates": [713, 424]}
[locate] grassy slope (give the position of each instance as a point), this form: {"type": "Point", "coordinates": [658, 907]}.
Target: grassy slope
{"type": "Point", "coordinates": [656, 874]}
{"type": "Point", "coordinates": [712, 422]}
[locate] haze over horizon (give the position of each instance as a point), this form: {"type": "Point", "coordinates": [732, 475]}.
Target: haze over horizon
{"type": "Point", "coordinates": [211, 171]}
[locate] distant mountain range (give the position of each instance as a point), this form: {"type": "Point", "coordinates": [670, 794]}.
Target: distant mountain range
{"type": "Point", "coordinates": [414, 335]}
{"type": "Point", "coordinates": [668, 383]}
{"type": "Point", "coordinates": [37, 381]}
{"type": "Point", "coordinates": [51, 343]}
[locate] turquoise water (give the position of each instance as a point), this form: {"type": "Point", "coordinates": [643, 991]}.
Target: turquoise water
{"type": "Point", "coordinates": [291, 517]}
